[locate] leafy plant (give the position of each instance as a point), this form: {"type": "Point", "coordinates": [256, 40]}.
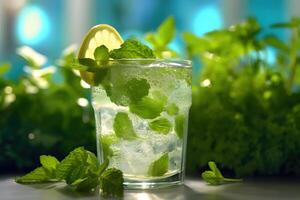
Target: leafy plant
{"type": "Point", "coordinates": [80, 170]}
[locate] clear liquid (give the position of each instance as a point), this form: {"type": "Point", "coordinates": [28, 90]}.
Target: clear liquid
{"type": "Point", "coordinates": [134, 157]}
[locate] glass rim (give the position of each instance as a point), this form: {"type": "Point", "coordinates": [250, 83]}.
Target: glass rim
{"type": "Point", "coordinates": [154, 62]}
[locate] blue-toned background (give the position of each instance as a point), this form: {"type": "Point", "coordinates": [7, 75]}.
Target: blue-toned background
{"type": "Point", "coordinates": [49, 26]}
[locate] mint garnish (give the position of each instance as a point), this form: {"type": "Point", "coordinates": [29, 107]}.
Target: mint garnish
{"type": "Point", "coordinates": [179, 125]}
{"type": "Point", "coordinates": [160, 166]}
{"type": "Point", "coordinates": [132, 49]}
{"type": "Point", "coordinates": [123, 127]}
{"type": "Point", "coordinates": [101, 54]}
{"type": "Point", "coordinates": [160, 125]}
{"type": "Point", "coordinates": [80, 170]}
{"type": "Point", "coordinates": [215, 177]}
{"type": "Point", "coordinates": [172, 109]}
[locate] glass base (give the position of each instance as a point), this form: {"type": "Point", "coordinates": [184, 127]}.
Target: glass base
{"type": "Point", "coordinates": [174, 180]}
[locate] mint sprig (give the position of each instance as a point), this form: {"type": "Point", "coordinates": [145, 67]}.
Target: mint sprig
{"type": "Point", "coordinates": [214, 176]}
{"type": "Point", "coordinates": [80, 170]}
{"type": "Point", "coordinates": [161, 125]}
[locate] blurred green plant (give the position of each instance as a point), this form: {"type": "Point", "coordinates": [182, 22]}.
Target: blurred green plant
{"type": "Point", "coordinates": [245, 113]}
{"type": "Point", "coordinates": [40, 115]}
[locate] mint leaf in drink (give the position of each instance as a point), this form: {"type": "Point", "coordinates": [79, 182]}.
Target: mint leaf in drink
{"type": "Point", "coordinates": [215, 177]}
{"type": "Point", "coordinates": [132, 49]}
{"type": "Point", "coordinates": [101, 54]}
{"type": "Point", "coordinates": [137, 88]}
{"type": "Point", "coordinates": [180, 125]}
{"type": "Point", "coordinates": [172, 109]}
{"type": "Point", "coordinates": [123, 127]}
{"type": "Point", "coordinates": [111, 183]}
{"type": "Point", "coordinates": [160, 166]}
{"type": "Point", "coordinates": [39, 175]}
{"type": "Point", "coordinates": [147, 108]}
{"type": "Point", "coordinates": [160, 125]}
{"type": "Point", "coordinates": [49, 163]}
{"type": "Point", "coordinates": [106, 141]}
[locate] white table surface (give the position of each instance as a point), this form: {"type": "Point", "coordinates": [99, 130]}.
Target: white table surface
{"type": "Point", "coordinates": [268, 189]}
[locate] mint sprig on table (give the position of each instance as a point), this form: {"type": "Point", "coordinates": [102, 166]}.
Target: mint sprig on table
{"type": "Point", "coordinates": [214, 176]}
{"type": "Point", "coordinates": [80, 170]}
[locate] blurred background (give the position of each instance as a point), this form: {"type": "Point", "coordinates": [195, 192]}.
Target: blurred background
{"type": "Point", "coordinates": [248, 121]}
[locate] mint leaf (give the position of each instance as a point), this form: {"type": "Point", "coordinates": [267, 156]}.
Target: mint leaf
{"type": "Point", "coordinates": [172, 109]}
{"type": "Point", "coordinates": [166, 31]}
{"type": "Point", "coordinates": [180, 125]}
{"type": "Point", "coordinates": [132, 49]}
{"type": "Point", "coordinates": [123, 127]}
{"type": "Point", "coordinates": [212, 165]}
{"type": "Point", "coordinates": [106, 141]}
{"type": "Point", "coordinates": [160, 166]}
{"type": "Point", "coordinates": [49, 163]}
{"type": "Point", "coordinates": [147, 107]}
{"type": "Point", "coordinates": [77, 66]}
{"type": "Point", "coordinates": [90, 63]}
{"type": "Point", "coordinates": [160, 125]}
{"type": "Point", "coordinates": [77, 156]}
{"type": "Point", "coordinates": [215, 177]}
{"type": "Point", "coordinates": [137, 88]}
{"type": "Point", "coordinates": [101, 54]}
{"type": "Point", "coordinates": [111, 183]}
{"type": "Point", "coordinates": [211, 178]}
{"type": "Point", "coordinates": [39, 175]}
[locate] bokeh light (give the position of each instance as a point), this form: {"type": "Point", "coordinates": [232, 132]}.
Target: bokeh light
{"type": "Point", "coordinates": [32, 25]}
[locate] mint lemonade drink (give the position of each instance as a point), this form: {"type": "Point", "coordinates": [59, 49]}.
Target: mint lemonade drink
{"type": "Point", "coordinates": [142, 120]}
{"type": "Point", "coordinates": [141, 108]}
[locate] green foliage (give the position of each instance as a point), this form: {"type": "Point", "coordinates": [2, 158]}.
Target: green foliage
{"type": "Point", "coordinates": [80, 170]}
{"type": "Point", "coordinates": [246, 117]}
{"type": "Point", "coordinates": [214, 176]}
{"type": "Point", "coordinates": [160, 166]}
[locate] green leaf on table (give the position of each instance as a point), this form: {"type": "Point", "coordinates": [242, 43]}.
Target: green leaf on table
{"type": "Point", "coordinates": [123, 127]}
{"type": "Point", "coordinates": [160, 166]}
{"type": "Point", "coordinates": [101, 53]}
{"type": "Point", "coordinates": [215, 177]}
{"type": "Point", "coordinates": [137, 88]}
{"type": "Point", "coordinates": [49, 163]}
{"type": "Point", "coordinates": [147, 107]}
{"type": "Point", "coordinates": [180, 125]}
{"type": "Point", "coordinates": [160, 125]}
{"type": "Point", "coordinates": [39, 175]}
{"type": "Point", "coordinates": [4, 68]}
{"type": "Point", "coordinates": [172, 109]}
{"type": "Point", "coordinates": [132, 49]}
{"type": "Point", "coordinates": [75, 157]}
{"type": "Point", "coordinates": [111, 183]}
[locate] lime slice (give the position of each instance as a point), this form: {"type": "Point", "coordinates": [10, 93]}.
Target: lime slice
{"type": "Point", "coordinates": [101, 34]}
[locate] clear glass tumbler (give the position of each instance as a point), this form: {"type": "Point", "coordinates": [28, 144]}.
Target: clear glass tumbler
{"type": "Point", "coordinates": [141, 108]}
